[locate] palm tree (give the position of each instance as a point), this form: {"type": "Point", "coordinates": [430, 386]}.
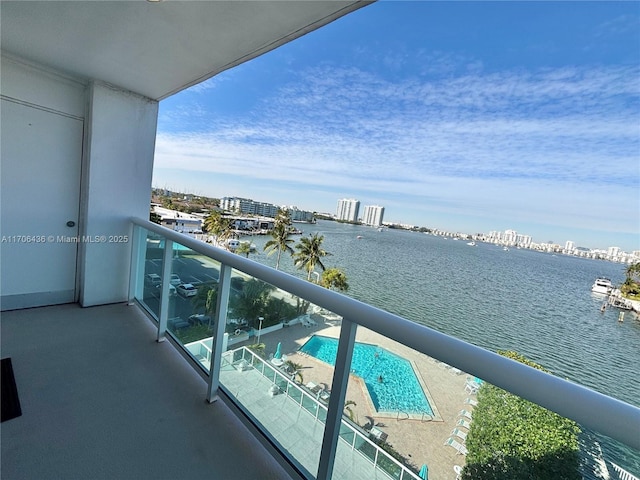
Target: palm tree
{"type": "Point", "coordinates": [244, 249]}
{"type": "Point", "coordinates": [295, 370]}
{"type": "Point", "coordinates": [334, 278]}
{"type": "Point", "coordinates": [251, 302]}
{"type": "Point", "coordinates": [281, 234]}
{"type": "Point", "coordinates": [217, 225]}
{"type": "Point", "coordinates": [309, 252]}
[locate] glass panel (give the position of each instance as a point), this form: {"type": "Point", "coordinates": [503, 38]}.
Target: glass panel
{"type": "Point", "coordinates": [152, 281]}
{"type": "Point", "coordinates": [271, 327]}
{"type": "Point", "coordinates": [347, 433]}
{"type": "Point", "coordinates": [410, 411]}
{"type": "Point", "coordinates": [387, 409]}
{"type": "Point", "coordinates": [192, 301]}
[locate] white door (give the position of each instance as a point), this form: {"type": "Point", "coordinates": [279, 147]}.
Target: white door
{"type": "Point", "coordinates": [41, 154]}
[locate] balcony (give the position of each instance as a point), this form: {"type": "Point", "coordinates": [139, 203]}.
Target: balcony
{"type": "Point", "coordinates": [305, 384]}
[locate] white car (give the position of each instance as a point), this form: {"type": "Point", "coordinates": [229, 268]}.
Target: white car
{"type": "Point", "coordinates": [175, 280]}
{"type": "Point", "coordinates": [172, 289]}
{"type": "Point", "coordinates": [187, 290]}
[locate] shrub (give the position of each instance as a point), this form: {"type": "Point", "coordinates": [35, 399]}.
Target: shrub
{"type": "Point", "coordinates": [511, 438]}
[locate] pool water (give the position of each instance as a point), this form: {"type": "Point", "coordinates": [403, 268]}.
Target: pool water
{"type": "Point", "coordinates": [399, 390]}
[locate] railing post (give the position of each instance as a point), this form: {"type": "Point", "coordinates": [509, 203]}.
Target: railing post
{"type": "Point", "coordinates": [167, 258]}
{"type": "Point", "coordinates": [222, 303]}
{"type": "Point", "coordinates": [136, 268]}
{"type": "Point", "coordinates": [336, 400]}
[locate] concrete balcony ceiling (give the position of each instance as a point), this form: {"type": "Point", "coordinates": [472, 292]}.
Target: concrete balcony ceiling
{"type": "Point", "coordinates": [156, 48]}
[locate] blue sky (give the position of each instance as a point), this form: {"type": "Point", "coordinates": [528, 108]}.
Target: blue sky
{"type": "Point", "coordinates": [462, 116]}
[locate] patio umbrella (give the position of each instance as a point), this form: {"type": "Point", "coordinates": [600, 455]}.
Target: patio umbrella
{"type": "Point", "coordinates": [278, 354]}
{"type": "Point", "coordinates": [424, 471]}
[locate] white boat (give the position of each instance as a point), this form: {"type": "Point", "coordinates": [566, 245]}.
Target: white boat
{"type": "Point", "coordinates": [602, 285]}
{"type": "Point", "coordinates": [473, 244]}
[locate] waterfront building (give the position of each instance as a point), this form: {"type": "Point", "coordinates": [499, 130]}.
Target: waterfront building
{"type": "Point", "coordinates": [179, 221]}
{"type": "Point", "coordinates": [373, 215]}
{"type": "Point", "coordinates": [246, 206]}
{"type": "Point", "coordinates": [569, 246]}
{"type": "Point", "coordinates": [348, 209]}
{"type": "Point", "coordinates": [510, 237]}
{"type": "Point", "coordinates": [298, 215]}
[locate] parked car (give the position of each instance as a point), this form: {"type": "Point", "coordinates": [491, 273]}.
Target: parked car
{"type": "Point", "coordinates": [152, 279]}
{"type": "Point", "coordinates": [176, 323]}
{"type": "Point", "coordinates": [187, 290]}
{"type": "Point", "coordinates": [199, 319]}
{"type": "Point", "coordinates": [172, 289]}
{"type": "Point", "coordinates": [175, 280]}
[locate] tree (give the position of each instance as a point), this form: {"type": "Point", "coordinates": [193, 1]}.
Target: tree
{"type": "Point", "coordinates": [251, 301]}
{"type": "Point", "coordinates": [217, 225]}
{"type": "Point", "coordinates": [244, 249]}
{"type": "Point", "coordinates": [334, 278]}
{"type": "Point", "coordinates": [281, 234]}
{"type": "Point", "coordinates": [295, 370]}
{"type": "Point", "coordinates": [633, 272]}
{"type": "Point", "coordinates": [309, 252]}
{"type": "Point", "coordinates": [206, 300]}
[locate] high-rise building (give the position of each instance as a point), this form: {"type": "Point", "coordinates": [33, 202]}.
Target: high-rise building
{"type": "Point", "coordinates": [569, 246]}
{"type": "Point", "coordinates": [373, 215]}
{"type": "Point", "coordinates": [348, 209]}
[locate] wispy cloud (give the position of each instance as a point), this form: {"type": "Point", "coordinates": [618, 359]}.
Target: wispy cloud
{"type": "Point", "coordinates": [514, 142]}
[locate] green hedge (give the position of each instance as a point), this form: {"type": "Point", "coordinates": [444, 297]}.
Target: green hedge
{"type": "Point", "coordinates": [511, 438]}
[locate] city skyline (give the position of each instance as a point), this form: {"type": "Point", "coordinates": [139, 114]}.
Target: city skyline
{"type": "Point", "coordinates": [489, 234]}
{"type": "Point", "coordinates": [466, 116]}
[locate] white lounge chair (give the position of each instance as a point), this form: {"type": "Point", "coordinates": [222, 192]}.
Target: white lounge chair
{"type": "Point", "coordinates": [313, 388]}
{"type": "Point", "coordinates": [465, 413]}
{"type": "Point", "coordinates": [460, 448]}
{"type": "Point", "coordinates": [463, 423]}
{"type": "Point", "coordinates": [459, 433]}
{"type": "Point", "coordinates": [471, 387]}
{"type": "Point", "coordinates": [472, 402]}
{"type": "Point", "coordinates": [379, 434]}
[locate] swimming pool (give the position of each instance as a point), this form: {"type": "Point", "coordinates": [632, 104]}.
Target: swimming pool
{"type": "Point", "coordinates": [399, 390]}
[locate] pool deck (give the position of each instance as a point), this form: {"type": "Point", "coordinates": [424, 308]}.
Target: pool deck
{"type": "Point", "coordinates": [421, 440]}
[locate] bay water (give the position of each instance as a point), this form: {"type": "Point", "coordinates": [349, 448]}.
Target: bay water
{"type": "Point", "coordinates": [537, 304]}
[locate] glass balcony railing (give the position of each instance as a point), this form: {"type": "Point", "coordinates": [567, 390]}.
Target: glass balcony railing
{"type": "Point", "coordinates": [345, 390]}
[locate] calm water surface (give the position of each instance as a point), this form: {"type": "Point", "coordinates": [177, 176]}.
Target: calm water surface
{"type": "Point", "coordinates": [538, 304]}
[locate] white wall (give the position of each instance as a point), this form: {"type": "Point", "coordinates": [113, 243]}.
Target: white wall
{"type": "Point", "coordinates": [117, 172]}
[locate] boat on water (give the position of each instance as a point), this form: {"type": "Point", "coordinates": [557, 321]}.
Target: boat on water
{"type": "Point", "coordinates": [359, 237]}
{"type": "Point", "coordinates": [602, 285]}
{"type": "Point", "coordinates": [473, 244]}
{"type": "Point", "coordinates": [506, 249]}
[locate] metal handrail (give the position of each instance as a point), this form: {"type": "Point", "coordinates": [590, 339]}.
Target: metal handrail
{"type": "Point", "coordinates": [591, 409]}
{"type": "Point", "coordinates": [404, 469]}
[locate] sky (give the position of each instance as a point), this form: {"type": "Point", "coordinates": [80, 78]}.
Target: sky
{"type": "Point", "coordinates": [460, 116]}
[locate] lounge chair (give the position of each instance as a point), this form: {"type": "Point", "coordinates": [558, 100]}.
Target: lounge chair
{"type": "Point", "coordinates": [471, 387]}
{"type": "Point", "coordinates": [460, 448]}
{"type": "Point", "coordinates": [463, 423]}
{"type": "Point", "coordinates": [313, 388]}
{"type": "Point", "coordinates": [459, 433]}
{"type": "Point", "coordinates": [465, 413]}
{"type": "Point", "coordinates": [308, 322]}
{"type": "Point", "coordinates": [377, 433]}
{"type": "Point", "coordinates": [472, 402]}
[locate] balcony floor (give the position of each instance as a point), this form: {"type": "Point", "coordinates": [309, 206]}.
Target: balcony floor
{"type": "Point", "coordinates": [102, 399]}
